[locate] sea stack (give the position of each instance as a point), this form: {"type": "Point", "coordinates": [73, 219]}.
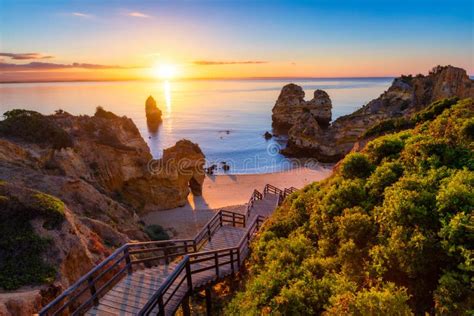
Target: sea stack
{"type": "Point", "coordinates": [153, 114]}
{"type": "Point", "coordinates": [291, 105]}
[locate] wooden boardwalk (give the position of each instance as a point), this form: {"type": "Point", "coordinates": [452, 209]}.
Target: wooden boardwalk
{"type": "Point", "coordinates": [156, 277]}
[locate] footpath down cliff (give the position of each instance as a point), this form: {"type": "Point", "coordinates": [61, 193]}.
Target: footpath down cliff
{"type": "Point", "coordinates": [308, 137]}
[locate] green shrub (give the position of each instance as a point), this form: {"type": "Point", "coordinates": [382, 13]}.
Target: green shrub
{"type": "Point", "coordinates": [356, 165]}
{"type": "Point", "coordinates": [383, 147]}
{"type": "Point", "coordinates": [21, 249]}
{"type": "Point", "coordinates": [425, 152]}
{"type": "Point", "coordinates": [389, 126]}
{"type": "Point", "coordinates": [33, 127]}
{"type": "Point", "coordinates": [434, 109]}
{"type": "Point", "coordinates": [50, 208]}
{"type": "Point", "coordinates": [454, 295]}
{"type": "Point", "coordinates": [385, 300]}
{"type": "Point", "coordinates": [456, 193]}
{"type": "Point", "coordinates": [467, 130]}
{"type": "Point", "coordinates": [342, 195]}
{"type": "Point", "coordinates": [156, 232]}
{"type": "Point", "coordinates": [384, 176]}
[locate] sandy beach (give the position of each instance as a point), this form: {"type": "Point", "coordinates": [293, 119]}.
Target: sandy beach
{"type": "Point", "coordinates": [230, 192]}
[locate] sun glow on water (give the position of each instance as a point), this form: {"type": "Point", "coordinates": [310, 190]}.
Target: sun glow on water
{"type": "Point", "coordinates": [167, 90]}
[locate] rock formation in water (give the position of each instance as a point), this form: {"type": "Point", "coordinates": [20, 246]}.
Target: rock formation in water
{"type": "Point", "coordinates": [102, 170]}
{"type": "Point", "coordinates": [153, 114]}
{"type": "Point", "coordinates": [406, 95]}
{"type": "Point", "coordinates": [291, 104]}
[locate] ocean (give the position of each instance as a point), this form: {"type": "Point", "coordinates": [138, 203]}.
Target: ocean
{"type": "Point", "coordinates": [227, 118]}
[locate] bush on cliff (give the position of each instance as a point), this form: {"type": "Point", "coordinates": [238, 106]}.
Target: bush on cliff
{"type": "Point", "coordinates": [33, 127]}
{"type": "Point", "coordinates": [21, 248]}
{"type": "Point", "coordinates": [356, 165]}
{"type": "Point", "coordinates": [402, 123]}
{"type": "Point", "coordinates": [156, 232]}
{"type": "Point", "coordinates": [394, 240]}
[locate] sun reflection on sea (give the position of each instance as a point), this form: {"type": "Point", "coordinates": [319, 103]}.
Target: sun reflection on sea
{"type": "Point", "coordinates": [167, 90]}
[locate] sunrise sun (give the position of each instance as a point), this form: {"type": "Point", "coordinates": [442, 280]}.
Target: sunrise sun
{"type": "Point", "coordinates": [164, 71]}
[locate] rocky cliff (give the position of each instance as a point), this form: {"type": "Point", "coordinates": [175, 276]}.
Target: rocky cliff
{"type": "Point", "coordinates": [406, 95]}
{"type": "Point", "coordinates": [108, 153]}
{"type": "Point", "coordinates": [291, 105]}
{"type": "Point", "coordinates": [103, 173]}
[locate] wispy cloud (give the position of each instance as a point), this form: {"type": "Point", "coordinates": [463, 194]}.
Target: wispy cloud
{"type": "Point", "coordinates": [24, 56]}
{"type": "Point", "coordinates": [82, 15]}
{"type": "Point", "coordinates": [232, 62]}
{"type": "Point", "coordinates": [137, 14]}
{"type": "Point", "coordinates": [52, 66]}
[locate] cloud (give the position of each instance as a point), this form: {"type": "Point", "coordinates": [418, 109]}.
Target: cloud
{"type": "Point", "coordinates": [137, 14]}
{"type": "Point", "coordinates": [23, 56]}
{"type": "Point", "coordinates": [51, 66]}
{"type": "Point", "coordinates": [82, 15]}
{"type": "Point", "coordinates": [214, 62]}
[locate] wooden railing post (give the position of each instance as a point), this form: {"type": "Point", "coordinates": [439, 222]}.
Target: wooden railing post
{"type": "Point", "coordinates": [128, 262]}
{"type": "Point", "coordinates": [92, 289]}
{"type": "Point", "coordinates": [167, 260]}
{"type": "Point", "coordinates": [208, 301]}
{"type": "Point", "coordinates": [185, 306]}
{"type": "Point", "coordinates": [161, 306]}
{"type": "Point", "coordinates": [189, 276]}
{"type": "Point", "coordinates": [233, 219]}
{"type": "Point", "coordinates": [216, 262]}
{"type": "Point", "coordinates": [208, 233]}
{"type": "Point", "coordinates": [220, 218]}
{"type": "Point", "coordinates": [232, 261]}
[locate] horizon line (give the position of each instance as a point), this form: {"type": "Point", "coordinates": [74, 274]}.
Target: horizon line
{"type": "Point", "coordinates": [191, 79]}
{"type": "Point", "coordinates": [199, 78]}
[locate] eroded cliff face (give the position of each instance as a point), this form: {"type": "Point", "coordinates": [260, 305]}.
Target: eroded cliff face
{"type": "Point", "coordinates": [109, 154]}
{"type": "Point", "coordinates": [405, 96]}
{"type": "Point", "coordinates": [106, 177]}
{"type": "Point", "coordinates": [71, 248]}
{"type": "Point", "coordinates": [169, 180]}
{"type": "Point", "coordinates": [291, 105]}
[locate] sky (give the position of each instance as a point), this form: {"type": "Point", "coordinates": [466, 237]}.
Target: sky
{"type": "Point", "coordinates": [102, 40]}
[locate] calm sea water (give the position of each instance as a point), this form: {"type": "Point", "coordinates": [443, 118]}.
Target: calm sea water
{"type": "Point", "coordinates": [227, 118]}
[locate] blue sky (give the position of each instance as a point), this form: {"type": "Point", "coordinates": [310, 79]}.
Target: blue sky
{"type": "Point", "coordinates": [309, 38]}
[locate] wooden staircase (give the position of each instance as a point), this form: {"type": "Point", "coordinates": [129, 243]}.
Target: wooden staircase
{"type": "Point", "coordinates": [154, 278]}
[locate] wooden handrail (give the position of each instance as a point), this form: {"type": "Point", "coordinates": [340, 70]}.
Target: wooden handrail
{"type": "Point", "coordinates": [157, 298]}
{"type": "Point", "coordinates": [187, 263]}
{"type": "Point", "coordinates": [122, 260]}
{"type": "Point", "coordinates": [256, 195]}
{"type": "Point", "coordinates": [167, 250]}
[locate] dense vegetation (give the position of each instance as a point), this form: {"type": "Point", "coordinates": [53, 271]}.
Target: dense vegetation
{"type": "Point", "coordinates": [21, 248]}
{"type": "Point", "coordinates": [33, 127]}
{"type": "Point", "coordinates": [402, 123]}
{"type": "Point", "coordinates": [390, 233]}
